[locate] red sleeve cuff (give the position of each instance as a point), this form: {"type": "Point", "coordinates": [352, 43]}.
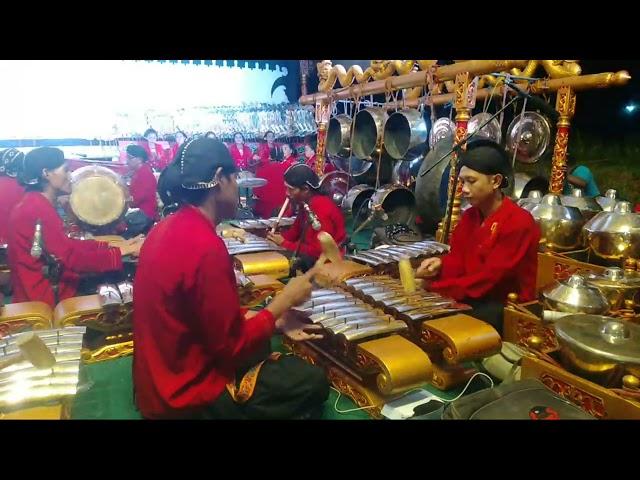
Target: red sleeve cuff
{"type": "Point", "coordinates": [116, 258]}
{"type": "Point", "coordinates": [289, 245]}
{"type": "Point", "coordinates": [265, 317]}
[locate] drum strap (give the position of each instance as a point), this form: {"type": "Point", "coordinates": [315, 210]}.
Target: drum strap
{"type": "Point", "coordinates": [244, 392]}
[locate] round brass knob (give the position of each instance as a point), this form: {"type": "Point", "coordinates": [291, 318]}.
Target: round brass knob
{"type": "Point", "coordinates": [535, 342]}
{"type": "Point", "coordinates": [513, 297]}
{"type": "Point", "coordinates": [630, 381]}
{"type": "Point", "coordinates": [630, 264]}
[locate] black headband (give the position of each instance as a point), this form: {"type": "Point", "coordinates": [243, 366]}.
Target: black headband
{"type": "Point", "coordinates": [300, 175]}
{"type": "Point", "coordinates": [486, 157]}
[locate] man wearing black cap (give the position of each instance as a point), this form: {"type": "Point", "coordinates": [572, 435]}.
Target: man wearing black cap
{"type": "Point", "coordinates": [143, 192]}
{"type": "Point", "coordinates": [303, 187]}
{"type": "Point", "coordinates": [198, 354]}
{"type": "Point", "coordinates": [494, 247]}
{"type": "Point", "coordinates": [46, 177]}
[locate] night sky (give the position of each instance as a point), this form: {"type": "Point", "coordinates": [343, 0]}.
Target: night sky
{"type": "Point", "coordinates": [602, 111]}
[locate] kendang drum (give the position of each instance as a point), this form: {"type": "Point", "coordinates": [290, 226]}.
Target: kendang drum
{"type": "Point", "coordinates": [99, 197]}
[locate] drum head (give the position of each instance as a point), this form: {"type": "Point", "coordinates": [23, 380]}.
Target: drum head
{"type": "Point", "coordinates": [98, 198]}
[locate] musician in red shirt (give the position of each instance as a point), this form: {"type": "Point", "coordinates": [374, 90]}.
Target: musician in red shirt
{"type": "Point", "coordinates": [10, 189]}
{"type": "Point", "coordinates": [180, 137]}
{"type": "Point", "coordinates": [240, 153]}
{"type": "Point", "coordinates": [289, 154]}
{"type": "Point", "coordinates": [303, 186]}
{"type": "Point", "coordinates": [143, 189]}
{"type": "Point", "coordinates": [268, 151]}
{"type": "Point", "coordinates": [310, 158]}
{"type": "Point", "coordinates": [494, 248]}
{"type": "Point", "coordinates": [159, 157]}
{"type": "Point", "coordinates": [47, 177]}
{"type": "Point", "coordinates": [194, 343]}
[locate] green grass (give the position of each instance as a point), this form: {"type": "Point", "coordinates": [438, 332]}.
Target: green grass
{"type": "Point", "coordinates": [615, 163]}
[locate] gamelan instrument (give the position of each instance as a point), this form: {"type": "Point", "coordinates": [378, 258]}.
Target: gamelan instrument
{"type": "Point", "coordinates": [20, 317]}
{"type": "Point", "coordinates": [108, 316]}
{"type": "Point", "coordinates": [260, 226]}
{"type": "Point", "coordinates": [272, 263]}
{"type": "Point", "coordinates": [381, 342]}
{"type": "Point", "coordinates": [99, 197]}
{"type": "Point", "coordinates": [24, 385]}
{"type": "Point", "coordinates": [250, 244]}
{"type": "Point", "coordinates": [389, 254]}
{"type": "Point", "coordinates": [583, 332]}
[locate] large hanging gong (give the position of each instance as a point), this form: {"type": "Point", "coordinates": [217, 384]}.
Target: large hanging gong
{"type": "Point", "coordinates": [530, 134]}
{"type": "Point", "coordinates": [432, 189]}
{"type": "Point", "coordinates": [335, 185]}
{"type": "Point", "coordinates": [405, 173]}
{"type": "Point", "coordinates": [490, 131]}
{"type": "Point", "coordinates": [363, 171]}
{"type": "Point", "coordinates": [339, 136]}
{"type": "Point", "coordinates": [441, 128]}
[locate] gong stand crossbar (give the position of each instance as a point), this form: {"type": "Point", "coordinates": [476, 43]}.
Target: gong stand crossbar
{"type": "Point", "coordinates": [414, 79]}
{"type": "Point", "coordinates": [577, 83]}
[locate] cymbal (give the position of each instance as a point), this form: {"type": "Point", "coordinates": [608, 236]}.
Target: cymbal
{"type": "Point", "coordinates": [252, 182]}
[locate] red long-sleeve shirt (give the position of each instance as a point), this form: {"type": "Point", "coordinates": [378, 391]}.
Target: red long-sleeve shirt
{"type": "Point", "coordinates": [490, 259]}
{"type": "Point", "coordinates": [189, 330]}
{"type": "Point", "coordinates": [241, 158]}
{"type": "Point", "coordinates": [75, 256]}
{"type": "Point", "coordinates": [270, 197]}
{"type": "Point", "coordinates": [10, 194]}
{"type": "Point", "coordinates": [331, 221]}
{"type": "Point", "coordinates": [264, 152]}
{"type": "Point", "coordinates": [159, 157]}
{"type": "Point", "coordinates": [143, 191]}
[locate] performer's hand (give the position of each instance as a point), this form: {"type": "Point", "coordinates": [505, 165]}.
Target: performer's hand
{"type": "Point", "coordinates": [132, 247]}
{"type": "Point", "coordinates": [292, 325]}
{"type": "Point", "coordinates": [429, 267]}
{"type": "Point", "coordinates": [295, 292]}
{"type": "Point", "coordinates": [275, 238]}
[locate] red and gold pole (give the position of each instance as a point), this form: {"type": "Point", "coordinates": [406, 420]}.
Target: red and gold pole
{"type": "Point", "coordinates": [323, 113]}
{"type": "Point", "coordinates": [464, 102]}
{"type": "Point", "coordinates": [566, 106]}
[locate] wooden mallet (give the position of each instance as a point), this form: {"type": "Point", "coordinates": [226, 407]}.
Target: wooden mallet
{"type": "Point", "coordinates": [33, 350]}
